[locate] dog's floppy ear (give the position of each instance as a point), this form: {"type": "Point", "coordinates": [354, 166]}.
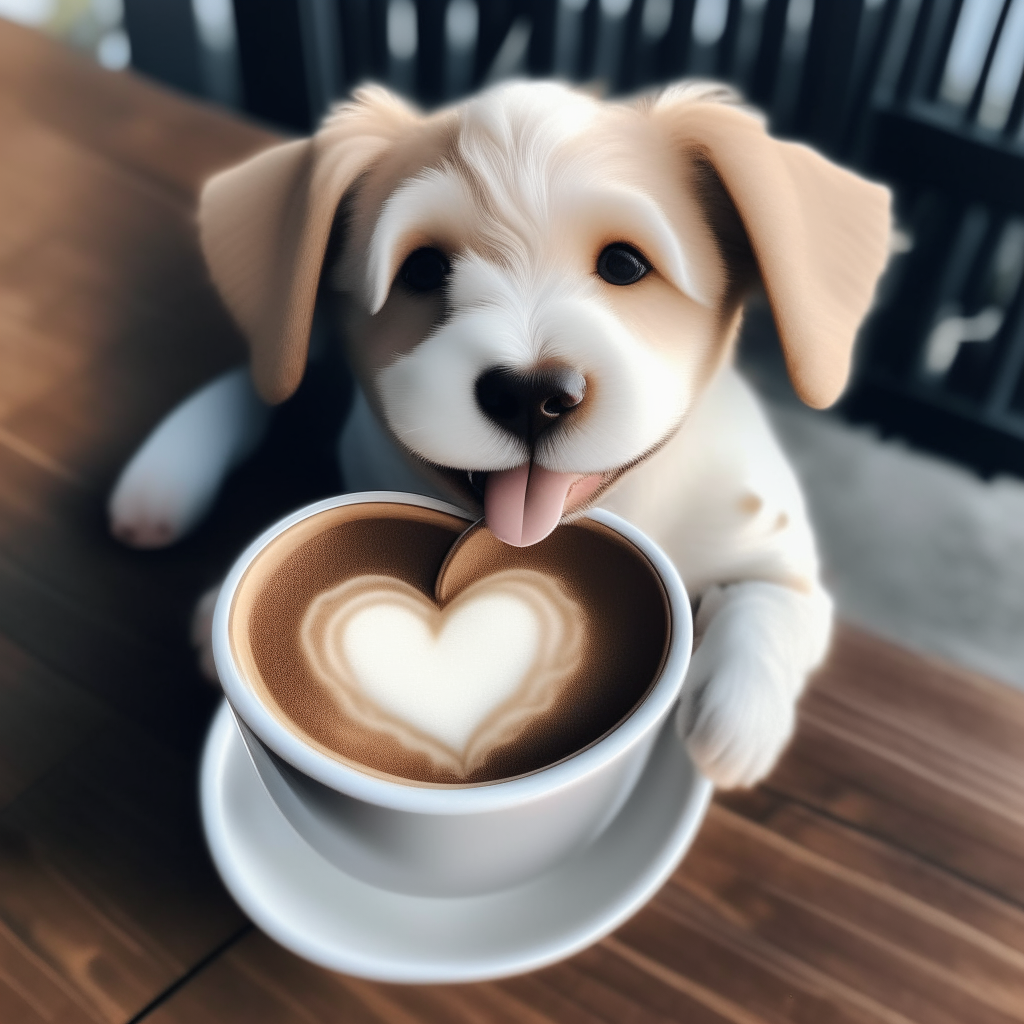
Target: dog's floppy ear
{"type": "Point", "coordinates": [819, 234]}
{"type": "Point", "coordinates": [264, 227]}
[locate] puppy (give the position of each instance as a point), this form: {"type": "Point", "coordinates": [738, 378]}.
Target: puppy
{"type": "Point", "coordinates": [539, 294]}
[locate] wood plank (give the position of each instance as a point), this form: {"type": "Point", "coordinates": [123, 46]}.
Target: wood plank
{"type": "Point", "coordinates": [174, 140]}
{"type": "Point", "coordinates": [621, 987]}
{"type": "Point", "coordinates": [109, 320]}
{"type": "Point", "coordinates": [104, 880]}
{"type": "Point", "coordinates": [43, 719]}
{"type": "Point", "coordinates": [123, 615]}
{"type": "Point", "coordinates": [162, 692]}
{"type": "Point", "coordinates": [692, 960]}
{"type": "Point", "coordinates": [44, 189]}
{"type": "Point", "coordinates": [988, 717]}
{"type": "Point", "coordinates": [550, 1000]}
{"type": "Point", "coordinates": [112, 322]}
{"type": "Point", "coordinates": [97, 263]}
{"type": "Point", "coordinates": [924, 755]}
{"type": "Point", "coordinates": [258, 981]}
{"type": "Point", "coordinates": [870, 937]}
{"type": "Point", "coordinates": [878, 861]}
{"type": "Point", "coordinates": [876, 877]}
{"type": "Point", "coordinates": [106, 893]}
{"type": "Point", "coordinates": [779, 913]}
{"type": "Point", "coordinates": [697, 947]}
{"type": "Point", "coordinates": [32, 992]}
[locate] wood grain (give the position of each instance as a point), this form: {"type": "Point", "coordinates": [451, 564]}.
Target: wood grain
{"type": "Point", "coordinates": [914, 751]}
{"type": "Point", "coordinates": [878, 876]}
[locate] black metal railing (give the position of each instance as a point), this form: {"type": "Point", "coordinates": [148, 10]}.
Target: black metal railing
{"type": "Point", "coordinates": [943, 355]}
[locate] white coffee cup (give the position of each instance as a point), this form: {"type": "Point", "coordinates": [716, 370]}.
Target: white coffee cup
{"type": "Point", "coordinates": [453, 840]}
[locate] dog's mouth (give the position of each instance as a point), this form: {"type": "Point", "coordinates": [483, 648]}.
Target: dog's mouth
{"type": "Point", "coordinates": [523, 505]}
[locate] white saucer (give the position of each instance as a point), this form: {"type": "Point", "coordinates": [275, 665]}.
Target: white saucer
{"type": "Point", "coordinates": [317, 911]}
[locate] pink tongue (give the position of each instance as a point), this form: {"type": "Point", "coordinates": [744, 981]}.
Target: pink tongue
{"type": "Point", "coordinates": [523, 505]}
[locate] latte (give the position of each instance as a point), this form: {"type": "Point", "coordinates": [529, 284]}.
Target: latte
{"type": "Point", "coordinates": [391, 638]}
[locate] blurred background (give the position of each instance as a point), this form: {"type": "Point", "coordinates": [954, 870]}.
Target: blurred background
{"type": "Point", "coordinates": [914, 481]}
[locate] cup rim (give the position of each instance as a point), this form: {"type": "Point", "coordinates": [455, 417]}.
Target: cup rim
{"type": "Point", "coordinates": [456, 800]}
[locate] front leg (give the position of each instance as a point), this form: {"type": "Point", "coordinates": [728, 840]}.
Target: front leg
{"type": "Point", "coordinates": [757, 644]}
{"type": "Point", "coordinates": [723, 501]}
{"type": "Point", "coordinates": [172, 480]}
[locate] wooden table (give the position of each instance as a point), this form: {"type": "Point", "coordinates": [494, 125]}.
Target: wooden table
{"type": "Point", "coordinates": [877, 876]}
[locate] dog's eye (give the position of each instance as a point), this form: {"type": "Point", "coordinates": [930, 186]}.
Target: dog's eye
{"type": "Point", "coordinates": [424, 270]}
{"type": "Point", "coordinates": [621, 264]}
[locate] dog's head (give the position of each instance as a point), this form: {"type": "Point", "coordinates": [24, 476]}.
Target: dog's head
{"type": "Point", "coordinates": [536, 285]}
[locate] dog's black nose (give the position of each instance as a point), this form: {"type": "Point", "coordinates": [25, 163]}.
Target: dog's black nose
{"type": "Point", "coordinates": [528, 403]}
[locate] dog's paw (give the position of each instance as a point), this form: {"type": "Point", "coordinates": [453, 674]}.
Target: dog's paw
{"type": "Point", "coordinates": [737, 725]}
{"type": "Point", "coordinates": [757, 643]}
{"type": "Point", "coordinates": [173, 479]}
{"type": "Point", "coordinates": [153, 505]}
{"type": "Point", "coordinates": [201, 633]}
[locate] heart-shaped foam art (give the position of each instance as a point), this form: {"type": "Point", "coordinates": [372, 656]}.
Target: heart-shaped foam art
{"type": "Point", "coordinates": [534, 652]}
{"type": "Point", "coordinates": [452, 683]}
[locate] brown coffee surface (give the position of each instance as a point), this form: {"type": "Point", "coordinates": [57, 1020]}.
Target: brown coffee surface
{"type": "Point", "coordinates": [616, 656]}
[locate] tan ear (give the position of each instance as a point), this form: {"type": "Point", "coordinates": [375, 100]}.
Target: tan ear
{"type": "Point", "coordinates": [820, 234]}
{"type": "Point", "coordinates": [264, 226]}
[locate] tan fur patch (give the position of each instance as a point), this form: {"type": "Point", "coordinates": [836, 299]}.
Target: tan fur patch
{"type": "Point", "coordinates": [750, 504]}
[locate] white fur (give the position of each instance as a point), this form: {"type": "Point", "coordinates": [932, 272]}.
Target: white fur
{"type": "Point", "coordinates": [764, 622]}
{"type": "Point", "coordinates": [172, 480]}
{"type": "Point", "coordinates": [758, 642]}
{"type": "Point", "coordinates": [370, 462]}
{"type": "Point", "coordinates": [759, 636]}
{"type": "Point", "coordinates": [427, 203]}
{"type": "Point", "coordinates": [516, 321]}
{"type": "Point", "coordinates": [526, 190]}
{"type": "Point", "coordinates": [439, 202]}
{"type": "Point", "coordinates": [723, 502]}
{"type": "Point", "coordinates": [644, 219]}
{"type": "Point", "coordinates": [717, 493]}
{"type": "Point", "coordinates": [696, 496]}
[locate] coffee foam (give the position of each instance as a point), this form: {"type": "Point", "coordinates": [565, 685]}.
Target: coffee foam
{"type": "Point", "coordinates": [455, 683]}
{"type": "Point", "coordinates": [543, 649]}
